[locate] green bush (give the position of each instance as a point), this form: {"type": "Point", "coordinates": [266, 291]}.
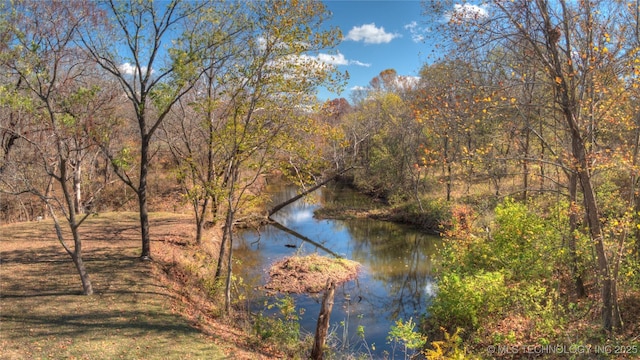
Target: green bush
{"type": "Point", "coordinates": [283, 329]}
{"type": "Point", "coordinates": [523, 243]}
{"type": "Point", "coordinates": [506, 270]}
{"type": "Point", "coordinates": [463, 301]}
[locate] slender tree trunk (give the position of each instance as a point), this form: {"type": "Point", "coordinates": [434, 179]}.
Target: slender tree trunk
{"type": "Point", "coordinates": [637, 228]}
{"type": "Point", "coordinates": [227, 287]}
{"type": "Point", "coordinates": [234, 171]}
{"type": "Point", "coordinates": [603, 263]}
{"type": "Point", "coordinates": [201, 212]}
{"type": "Point", "coordinates": [567, 101]}
{"type": "Point", "coordinates": [447, 166]}
{"type": "Point", "coordinates": [449, 181]}
{"type": "Point", "coordinates": [77, 201]}
{"type": "Point", "coordinates": [47, 194]}
{"type": "Point", "coordinates": [87, 287]}
{"type": "Point", "coordinates": [525, 164]}
{"type": "Point", "coordinates": [223, 246]}
{"type": "Point", "coordinates": [617, 316]}
{"type": "Point", "coordinates": [142, 200]}
{"type": "Point", "coordinates": [634, 188]}
{"type": "Point", "coordinates": [573, 225]}
{"type": "Point", "coordinates": [76, 253]}
{"type": "Point", "coordinates": [595, 228]}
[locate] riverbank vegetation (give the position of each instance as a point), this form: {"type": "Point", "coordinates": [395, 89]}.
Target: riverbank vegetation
{"type": "Point", "coordinates": [520, 147]}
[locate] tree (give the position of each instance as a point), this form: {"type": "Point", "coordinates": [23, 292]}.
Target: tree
{"type": "Point", "coordinates": [268, 90]}
{"type": "Point", "coordinates": [146, 51]}
{"type": "Point", "coordinates": [53, 81]}
{"type": "Point", "coordinates": [192, 133]}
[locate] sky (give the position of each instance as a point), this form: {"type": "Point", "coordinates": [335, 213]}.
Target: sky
{"type": "Point", "coordinates": [380, 35]}
{"type": "Point", "coordinates": [377, 35]}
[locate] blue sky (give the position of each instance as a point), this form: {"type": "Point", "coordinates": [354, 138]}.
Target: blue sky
{"type": "Point", "coordinates": [378, 35]}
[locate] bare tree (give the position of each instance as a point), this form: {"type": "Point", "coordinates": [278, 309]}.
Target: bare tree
{"type": "Point", "coordinates": [53, 80]}
{"type": "Point", "coordinates": [147, 51]}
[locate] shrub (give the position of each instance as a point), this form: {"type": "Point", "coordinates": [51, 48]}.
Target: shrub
{"type": "Point", "coordinates": [463, 301]}
{"type": "Point", "coordinates": [404, 333]}
{"type": "Point", "coordinates": [504, 273]}
{"type": "Point", "coordinates": [282, 329]}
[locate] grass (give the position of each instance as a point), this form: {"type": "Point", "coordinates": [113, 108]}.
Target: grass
{"type": "Point", "coordinates": [298, 274]}
{"type": "Point", "coordinates": [132, 315]}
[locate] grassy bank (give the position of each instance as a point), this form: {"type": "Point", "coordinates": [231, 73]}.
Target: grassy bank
{"type": "Point", "coordinates": [138, 310]}
{"type": "Point", "coordinates": [429, 215]}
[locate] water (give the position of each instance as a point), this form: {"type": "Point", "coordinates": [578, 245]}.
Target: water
{"type": "Point", "coordinates": [394, 283]}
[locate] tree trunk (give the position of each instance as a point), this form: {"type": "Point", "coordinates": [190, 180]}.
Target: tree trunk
{"type": "Point", "coordinates": [525, 164]}
{"type": "Point", "coordinates": [47, 194]}
{"type": "Point", "coordinates": [637, 228]}
{"type": "Point", "coordinates": [77, 189]}
{"type": "Point", "coordinates": [573, 225]}
{"type": "Point", "coordinates": [223, 246]}
{"type": "Point", "coordinates": [595, 228]}
{"type": "Point", "coordinates": [76, 253]}
{"type": "Point", "coordinates": [323, 321]}
{"type": "Point", "coordinates": [447, 166]}
{"type": "Point", "coordinates": [227, 287]}
{"type": "Point", "coordinates": [603, 263]}
{"type": "Point", "coordinates": [142, 200]}
{"type": "Point", "coordinates": [569, 105]}
{"type": "Point", "coordinates": [87, 288]}
{"type": "Point", "coordinates": [201, 215]}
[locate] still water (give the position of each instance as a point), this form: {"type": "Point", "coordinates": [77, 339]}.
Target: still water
{"type": "Point", "coordinates": [394, 282]}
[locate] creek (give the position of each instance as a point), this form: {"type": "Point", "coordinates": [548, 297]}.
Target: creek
{"type": "Point", "coordinates": [394, 281]}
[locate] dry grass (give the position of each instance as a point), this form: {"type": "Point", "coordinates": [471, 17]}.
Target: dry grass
{"type": "Point", "coordinates": [298, 274]}
{"type": "Point", "coordinates": [133, 313]}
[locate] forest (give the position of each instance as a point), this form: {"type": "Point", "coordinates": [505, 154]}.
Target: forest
{"type": "Point", "coordinates": [519, 146]}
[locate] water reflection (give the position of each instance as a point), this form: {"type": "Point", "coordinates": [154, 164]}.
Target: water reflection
{"type": "Point", "coordinates": [395, 280]}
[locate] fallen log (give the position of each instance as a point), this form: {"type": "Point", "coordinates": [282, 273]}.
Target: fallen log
{"type": "Point", "coordinates": [308, 191]}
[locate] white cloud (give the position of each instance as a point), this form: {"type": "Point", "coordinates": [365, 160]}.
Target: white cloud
{"type": "Point", "coordinates": [467, 12]}
{"type": "Point", "coordinates": [401, 82]}
{"type": "Point", "coordinates": [356, 62]}
{"type": "Point", "coordinates": [417, 32]}
{"type": "Point", "coordinates": [370, 34]}
{"type": "Point", "coordinates": [128, 69]}
{"type": "Point", "coordinates": [339, 59]}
